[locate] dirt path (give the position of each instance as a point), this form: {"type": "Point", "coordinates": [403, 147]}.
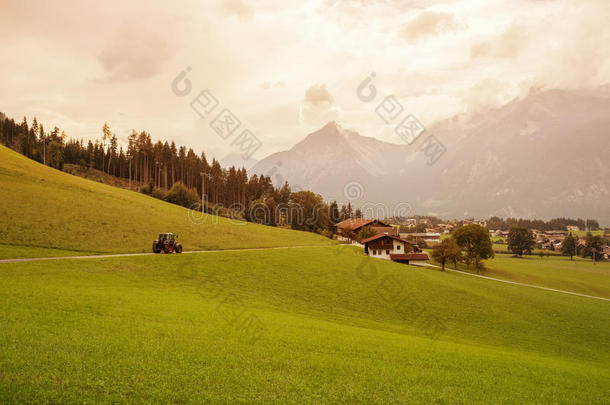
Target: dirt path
{"type": "Point", "coordinates": [517, 283]}
{"type": "Point", "coordinates": [37, 259]}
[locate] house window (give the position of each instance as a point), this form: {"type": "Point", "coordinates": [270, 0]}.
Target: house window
{"type": "Point", "coordinates": [398, 247]}
{"type": "Point", "coordinates": [374, 252]}
{"type": "Point", "coordinates": [387, 252]}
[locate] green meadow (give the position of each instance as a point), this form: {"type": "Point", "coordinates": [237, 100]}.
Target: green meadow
{"type": "Point", "coordinates": [304, 325]}
{"type": "Point", "coordinates": [316, 323]}
{"type": "Point", "coordinates": [558, 272]}
{"type": "Point", "coordinates": [584, 233]}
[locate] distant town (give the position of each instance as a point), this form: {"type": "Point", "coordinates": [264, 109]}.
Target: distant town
{"type": "Point", "coordinates": [426, 232]}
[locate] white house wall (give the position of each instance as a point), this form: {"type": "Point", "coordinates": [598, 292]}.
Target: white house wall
{"type": "Point", "coordinates": [384, 254]}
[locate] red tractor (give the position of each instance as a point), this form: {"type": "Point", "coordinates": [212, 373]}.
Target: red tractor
{"type": "Point", "coordinates": [167, 244]}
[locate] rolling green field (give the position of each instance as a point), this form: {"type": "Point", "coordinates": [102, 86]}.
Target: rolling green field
{"type": "Point", "coordinates": [304, 325]}
{"type": "Point", "coordinates": [580, 275]}
{"type": "Point", "coordinates": [21, 251]}
{"type": "Point", "coordinates": [49, 209]}
{"type": "Point", "coordinates": [317, 323]}
{"type": "Point", "coordinates": [584, 233]}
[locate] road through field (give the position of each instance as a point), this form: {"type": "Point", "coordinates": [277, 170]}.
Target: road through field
{"type": "Point", "coordinates": [37, 259]}
{"type": "Point", "coordinates": [285, 247]}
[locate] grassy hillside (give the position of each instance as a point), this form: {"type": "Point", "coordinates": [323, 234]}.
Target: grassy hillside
{"type": "Point", "coordinates": [98, 176]}
{"type": "Point", "coordinates": [579, 275]}
{"type": "Point", "coordinates": [45, 208]}
{"type": "Point", "coordinates": [333, 327]}
{"type": "Point", "coordinates": [303, 325]}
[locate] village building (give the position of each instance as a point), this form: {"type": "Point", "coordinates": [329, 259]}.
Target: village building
{"type": "Point", "coordinates": [356, 224]}
{"type": "Point", "coordinates": [555, 236]}
{"type": "Point", "coordinates": [428, 237]}
{"type": "Point", "coordinates": [391, 247]}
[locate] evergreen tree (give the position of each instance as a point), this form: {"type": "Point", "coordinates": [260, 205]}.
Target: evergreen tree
{"type": "Point", "coordinates": [334, 216]}
{"type": "Point", "coordinates": [106, 135]}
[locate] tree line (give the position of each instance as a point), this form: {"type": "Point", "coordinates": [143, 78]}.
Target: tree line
{"type": "Point", "coordinates": [179, 175]}
{"type": "Point", "coordinates": [497, 223]}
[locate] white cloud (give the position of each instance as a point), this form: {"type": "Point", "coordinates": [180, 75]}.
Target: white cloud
{"type": "Point", "coordinates": [454, 56]}
{"type": "Point", "coordinates": [428, 23]}
{"type": "Point", "coordinates": [318, 94]}
{"type": "Point", "coordinates": [238, 8]}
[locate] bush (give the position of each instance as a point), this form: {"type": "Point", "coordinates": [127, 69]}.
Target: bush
{"type": "Point", "coordinates": [146, 189]}
{"type": "Point", "coordinates": [326, 232]}
{"type": "Point", "coordinates": [181, 195]}
{"type": "Point", "coordinates": [158, 193]}
{"type": "Point", "coordinates": [421, 243]}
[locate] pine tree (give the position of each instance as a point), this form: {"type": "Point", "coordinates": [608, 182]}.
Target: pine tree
{"type": "Point", "coordinates": [106, 135]}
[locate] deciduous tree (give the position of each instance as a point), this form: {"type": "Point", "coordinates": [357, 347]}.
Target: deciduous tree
{"type": "Point", "coordinates": [475, 242]}
{"type": "Point", "coordinates": [447, 251]}
{"type": "Point", "coordinates": [520, 240]}
{"type": "Point", "coordinates": [568, 246]}
{"type": "Point", "coordinates": [365, 232]}
{"type": "Point", "coordinates": [593, 247]}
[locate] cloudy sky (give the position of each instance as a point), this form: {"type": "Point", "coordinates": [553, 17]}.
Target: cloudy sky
{"type": "Point", "coordinates": [285, 68]}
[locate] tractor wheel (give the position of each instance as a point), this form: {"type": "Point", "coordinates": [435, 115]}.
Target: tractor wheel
{"type": "Point", "coordinates": [178, 248]}
{"type": "Point", "coordinates": [156, 249]}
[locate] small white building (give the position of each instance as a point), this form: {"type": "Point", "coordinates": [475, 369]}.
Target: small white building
{"type": "Point", "coordinates": [390, 247]}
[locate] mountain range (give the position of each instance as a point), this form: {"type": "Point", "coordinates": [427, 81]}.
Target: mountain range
{"type": "Point", "coordinates": [542, 156]}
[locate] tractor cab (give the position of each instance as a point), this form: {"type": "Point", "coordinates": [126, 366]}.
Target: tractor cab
{"type": "Point", "coordinates": [166, 243]}
{"type": "Point", "coordinates": [166, 237]}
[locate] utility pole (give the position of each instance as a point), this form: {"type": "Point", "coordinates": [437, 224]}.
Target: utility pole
{"type": "Point", "coordinates": [130, 173]}
{"type": "Point", "coordinates": [202, 191]}
{"type": "Point", "coordinates": [161, 177]}
{"type": "Point", "coordinates": [156, 171]}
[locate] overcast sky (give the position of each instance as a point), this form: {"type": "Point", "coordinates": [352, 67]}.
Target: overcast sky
{"type": "Point", "coordinates": [285, 69]}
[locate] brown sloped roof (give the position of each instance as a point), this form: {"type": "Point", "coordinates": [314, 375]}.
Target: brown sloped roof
{"type": "Point", "coordinates": [382, 235]}
{"type": "Point", "coordinates": [409, 256]}
{"type": "Point", "coordinates": [388, 229]}
{"type": "Point", "coordinates": [354, 223]}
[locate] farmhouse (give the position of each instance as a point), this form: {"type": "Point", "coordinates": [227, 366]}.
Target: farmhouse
{"type": "Point", "coordinates": [356, 224]}
{"type": "Point", "coordinates": [391, 247]}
